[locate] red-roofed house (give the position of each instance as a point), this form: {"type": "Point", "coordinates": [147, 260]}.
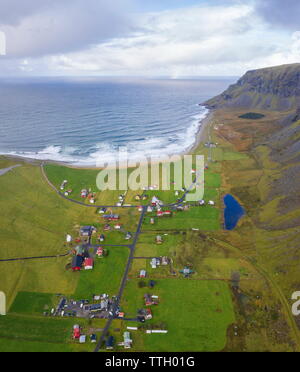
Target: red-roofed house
{"type": "Point", "coordinates": [88, 264]}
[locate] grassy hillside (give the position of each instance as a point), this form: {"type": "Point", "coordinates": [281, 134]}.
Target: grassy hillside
{"type": "Point", "coordinates": [275, 88]}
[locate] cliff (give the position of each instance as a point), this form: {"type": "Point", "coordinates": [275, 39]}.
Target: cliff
{"type": "Point", "coordinates": [275, 88]}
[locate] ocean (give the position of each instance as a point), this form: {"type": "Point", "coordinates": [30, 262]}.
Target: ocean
{"type": "Point", "coordinates": [82, 120]}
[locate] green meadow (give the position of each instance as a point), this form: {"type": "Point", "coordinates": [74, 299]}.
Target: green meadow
{"type": "Point", "coordinates": [196, 314]}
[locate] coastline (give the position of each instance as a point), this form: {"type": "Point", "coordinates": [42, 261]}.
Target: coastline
{"type": "Point", "coordinates": [199, 138]}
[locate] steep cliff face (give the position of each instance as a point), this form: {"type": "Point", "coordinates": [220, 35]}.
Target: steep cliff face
{"type": "Point", "coordinates": [275, 88]}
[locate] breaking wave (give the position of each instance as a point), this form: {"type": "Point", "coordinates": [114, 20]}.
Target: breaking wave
{"type": "Point", "coordinates": [160, 145]}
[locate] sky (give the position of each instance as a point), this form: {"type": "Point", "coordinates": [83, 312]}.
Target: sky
{"type": "Point", "coordinates": [169, 38]}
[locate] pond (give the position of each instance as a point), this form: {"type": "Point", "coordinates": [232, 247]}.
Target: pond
{"type": "Point", "coordinates": [233, 212]}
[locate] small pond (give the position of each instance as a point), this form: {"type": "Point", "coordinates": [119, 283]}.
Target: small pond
{"type": "Point", "coordinates": [233, 212]}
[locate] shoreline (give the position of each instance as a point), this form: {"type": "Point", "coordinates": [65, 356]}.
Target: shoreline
{"type": "Point", "coordinates": [200, 137]}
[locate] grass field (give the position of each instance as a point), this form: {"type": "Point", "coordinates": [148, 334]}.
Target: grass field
{"type": "Point", "coordinates": [196, 313]}
{"type": "Point", "coordinates": [203, 218]}
{"type": "Point", "coordinates": [106, 276]}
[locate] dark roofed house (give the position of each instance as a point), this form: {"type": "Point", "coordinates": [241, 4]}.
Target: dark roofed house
{"type": "Point", "coordinates": [77, 263]}
{"type": "Point", "coordinates": [93, 339]}
{"type": "Point", "coordinates": [87, 231]}
{"type": "Point", "coordinates": [110, 342]}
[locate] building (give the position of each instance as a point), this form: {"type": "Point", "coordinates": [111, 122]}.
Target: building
{"type": "Point", "coordinates": [155, 262]}
{"type": "Point", "coordinates": [128, 236]}
{"type": "Point", "coordinates": [110, 343]}
{"type": "Point", "coordinates": [76, 332]}
{"type": "Point", "coordinates": [151, 300]}
{"type": "Point", "coordinates": [165, 261]}
{"type": "Point", "coordinates": [93, 339]}
{"type": "Point", "coordinates": [100, 252]}
{"type": "Point", "coordinates": [82, 339]}
{"type": "Point", "coordinates": [88, 264]}
{"type": "Point", "coordinates": [87, 231]}
{"type": "Point", "coordinates": [159, 239]}
{"type": "Point", "coordinates": [143, 274]}
{"type": "Point", "coordinates": [127, 340]}
{"type": "Point", "coordinates": [111, 217]}
{"type": "Point", "coordinates": [77, 263]}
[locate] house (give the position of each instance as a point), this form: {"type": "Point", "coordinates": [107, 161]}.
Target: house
{"type": "Point", "coordinates": [155, 262]}
{"type": "Point", "coordinates": [121, 315]}
{"type": "Point", "coordinates": [180, 208]}
{"type": "Point", "coordinates": [212, 203]}
{"type": "Point", "coordinates": [102, 210]}
{"type": "Point", "coordinates": [152, 221]}
{"type": "Point", "coordinates": [143, 274]}
{"type": "Point", "coordinates": [93, 339]}
{"type": "Point", "coordinates": [201, 202]}
{"type": "Point", "coordinates": [82, 339]}
{"type": "Point", "coordinates": [148, 315]}
{"type": "Point", "coordinates": [159, 239]}
{"type": "Point", "coordinates": [140, 208]}
{"type": "Point", "coordinates": [101, 238]}
{"type": "Point", "coordinates": [152, 284]}
{"type": "Point", "coordinates": [87, 231]}
{"type": "Point", "coordinates": [165, 261]}
{"type": "Point", "coordinates": [149, 209]}
{"type": "Point", "coordinates": [84, 193]}
{"type": "Point", "coordinates": [167, 213]}
{"type": "Point", "coordinates": [77, 263]}
{"type": "Point", "coordinates": [100, 252]}
{"type": "Point", "coordinates": [107, 227]}
{"type": "Point", "coordinates": [151, 300]}
{"type": "Point", "coordinates": [111, 217]}
{"type": "Point", "coordinates": [69, 238]}
{"type": "Point", "coordinates": [160, 214]}
{"type": "Point", "coordinates": [127, 340]}
{"type": "Point", "coordinates": [110, 343]}
{"type": "Point", "coordinates": [138, 197]}
{"type": "Point", "coordinates": [128, 236]}
{"type": "Point", "coordinates": [88, 264]}
{"type": "Point", "coordinates": [76, 332]}
{"type": "Point", "coordinates": [63, 185]}
{"type": "Point", "coordinates": [118, 227]}
{"type": "Point", "coordinates": [156, 202]}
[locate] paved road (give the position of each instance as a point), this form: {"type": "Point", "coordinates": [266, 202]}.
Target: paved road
{"type": "Point", "coordinates": [124, 280]}
{"type": "Point", "coordinates": [5, 170]}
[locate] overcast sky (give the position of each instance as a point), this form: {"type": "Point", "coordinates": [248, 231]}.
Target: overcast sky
{"type": "Point", "coordinates": [173, 38]}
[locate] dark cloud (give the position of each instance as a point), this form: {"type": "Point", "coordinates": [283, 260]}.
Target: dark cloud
{"type": "Point", "coordinates": [283, 13]}
{"type": "Point", "coordinates": [45, 27]}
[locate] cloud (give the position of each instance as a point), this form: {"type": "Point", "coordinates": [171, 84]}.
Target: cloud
{"type": "Point", "coordinates": [178, 42]}
{"type": "Point", "coordinates": [73, 38]}
{"type": "Point", "coordinates": [59, 26]}
{"type": "Point", "coordinates": [282, 13]}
